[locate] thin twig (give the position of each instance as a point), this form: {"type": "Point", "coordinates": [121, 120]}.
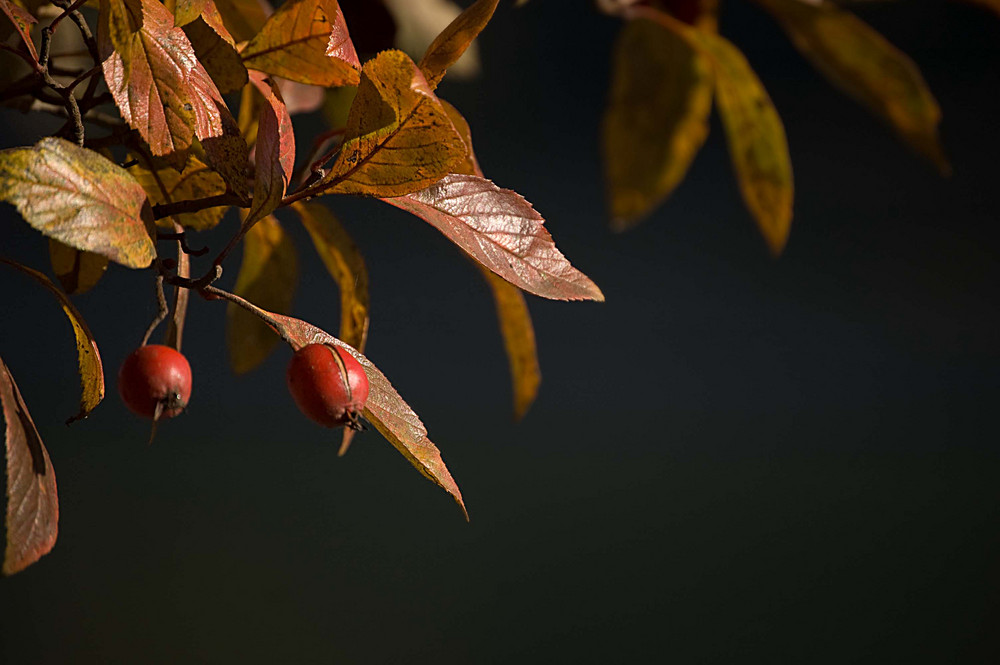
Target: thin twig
{"type": "Point", "coordinates": [162, 210]}
{"type": "Point", "coordinates": [161, 310]}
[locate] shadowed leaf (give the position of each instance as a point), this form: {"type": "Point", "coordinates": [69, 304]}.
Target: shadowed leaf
{"type": "Point", "coordinates": [500, 230]}
{"type": "Point", "coordinates": [22, 22]}
{"type": "Point", "coordinates": [398, 138]}
{"type": "Point", "coordinates": [449, 46]}
{"type": "Point", "coordinates": [194, 182]}
{"type": "Point", "coordinates": [243, 18]}
{"type": "Point", "coordinates": [305, 41]}
{"type": "Point", "coordinates": [862, 63]}
{"type": "Point", "coordinates": [77, 271]}
{"type": "Point", "coordinates": [275, 151]}
{"type": "Point", "coordinates": [268, 275]}
{"type": "Point", "coordinates": [79, 198]}
{"type": "Point", "coordinates": [345, 264]}
{"type": "Point", "coordinates": [469, 164]}
{"type": "Point", "coordinates": [214, 46]}
{"type": "Point", "coordinates": [88, 357]}
{"type": "Point", "coordinates": [988, 4]}
{"type": "Point", "coordinates": [32, 517]}
{"type": "Point", "coordinates": [656, 120]}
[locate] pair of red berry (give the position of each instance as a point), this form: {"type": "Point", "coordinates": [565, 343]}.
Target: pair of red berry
{"type": "Point", "coordinates": [327, 383]}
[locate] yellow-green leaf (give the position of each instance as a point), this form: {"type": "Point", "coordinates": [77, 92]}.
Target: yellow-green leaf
{"type": "Point", "coordinates": [77, 271]}
{"type": "Point", "coordinates": [862, 63]}
{"type": "Point", "coordinates": [656, 120]}
{"type": "Point", "coordinates": [268, 276]}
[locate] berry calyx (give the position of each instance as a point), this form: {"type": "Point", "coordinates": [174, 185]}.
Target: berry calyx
{"type": "Point", "coordinates": [328, 385]}
{"type": "Point", "coordinates": [155, 382]}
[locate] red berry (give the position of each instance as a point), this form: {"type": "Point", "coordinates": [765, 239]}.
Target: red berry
{"type": "Point", "coordinates": [328, 384]}
{"type": "Point", "coordinates": [155, 377]}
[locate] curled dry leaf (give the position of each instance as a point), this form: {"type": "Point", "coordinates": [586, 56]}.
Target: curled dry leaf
{"type": "Point", "coordinates": [275, 150]}
{"type": "Point", "coordinates": [398, 137]}
{"type": "Point", "coordinates": [32, 517]}
{"type": "Point", "coordinates": [196, 181]}
{"type": "Point", "coordinates": [88, 357]}
{"type": "Point", "coordinates": [453, 41]}
{"type": "Point", "coordinates": [500, 230]}
{"type": "Point", "coordinates": [305, 41]}
{"type": "Point", "coordinates": [77, 271]}
{"type": "Point", "coordinates": [268, 275]}
{"type": "Point", "coordinates": [79, 198]}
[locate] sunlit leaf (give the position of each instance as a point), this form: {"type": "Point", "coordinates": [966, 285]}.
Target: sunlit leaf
{"type": "Point", "coordinates": [345, 264]}
{"type": "Point", "coordinates": [861, 62]}
{"type": "Point", "coordinates": [398, 138]}
{"type": "Point", "coordinates": [420, 22]}
{"type": "Point", "coordinates": [275, 151]}
{"type": "Point", "coordinates": [305, 41]}
{"type": "Point", "coordinates": [214, 46]}
{"type": "Point", "coordinates": [88, 357]}
{"type": "Point", "coordinates": [656, 120]}
{"type": "Point", "coordinates": [155, 78]}
{"type": "Point", "coordinates": [500, 230]}
{"type": "Point", "coordinates": [194, 182]}
{"type": "Point", "coordinates": [469, 164]}
{"type": "Point", "coordinates": [268, 275]}
{"type": "Point", "coordinates": [32, 516]}
{"type": "Point", "coordinates": [77, 271]}
{"type": "Point", "coordinates": [453, 41]}
{"type": "Point", "coordinates": [757, 144]}
{"type": "Point", "coordinates": [22, 22]}
{"type": "Point", "coordinates": [385, 409]}
{"type": "Point", "coordinates": [79, 198]}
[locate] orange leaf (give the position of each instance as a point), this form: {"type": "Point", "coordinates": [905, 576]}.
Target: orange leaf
{"type": "Point", "coordinates": [398, 137]}
{"type": "Point", "coordinates": [22, 21]}
{"type": "Point", "coordinates": [79, 198]}
{"type": "Point", "coordinates": [305, 41]}
{"type": "Point", "coordinates": [243, 18]}
{"type": "Point", "coordinates": [77, 271]}
{"type": "Point", "coordinates": [275, 151]}
{"type": "Point", "coordinates": [454, 39]}
{"type": "Point", "coordinates": [213, 45]}
{"type": "Point", "coordinates": [32, 519]}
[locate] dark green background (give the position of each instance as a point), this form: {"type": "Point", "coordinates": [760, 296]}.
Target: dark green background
{"type": "Point", "coordinates": [733, 460]}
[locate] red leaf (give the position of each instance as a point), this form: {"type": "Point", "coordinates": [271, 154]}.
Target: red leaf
{"type": "Point", "coordinates": [500, 230]}
{"type": "Point", "coordinates": [22, 21]}
{"type": "Point", "coordinates": [305, 41]}
{"type": "Point", "coordinates": [32, 519]}
{"type": "Point", "coordinates": [275, 150]}
{"type": "Point", "coordinates": [155, 78]}
{"type": "Point", "coordinates": [453, 40]}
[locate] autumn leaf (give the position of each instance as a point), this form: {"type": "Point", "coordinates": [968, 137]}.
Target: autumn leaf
{"type": "Point", "coordinates": [79, 198]}
{"type": "Point", "coordinates": [469, 164]}
{"type": "Point", "coordinates": [656, 120]}
{"type": "Point", "coordinates": [22, 22]}
{"type": "Point", "coordinates": [385, 409]}
{"type": "Point", "coordinates": [77, 271]}
{"type": "Point", "coordinates": [862, 63]}
{"type": "Point", "coordinates": [268, 275]}
{"type": "Point", "coordinates": [88, 357]}
{"type": "Point", "coordinates": [500, 230]}
{"type": "Point", "coordinates": [243, 18]}
{"type": "Point", "coordinates": [275, 151]}
{"type": "Point", "coordinates": [305, 41]}
{"type": "Point", "coordinates": [398, 137]}
{"type": "Point", "coordinates": [196, 181]}
{"type": "Point", "coordinates": [213, 45]}
{"type": "Point", "coordinates": [757, 144]}
{"type": "Point", "coordinates": [449, 46]}
{"type": "Point", "coordinates": [155, 78]}
{"type": "Point", "coordinates": [345, 264]}
{"type": "Point", "coordinates": [32, 517]}
{"type": "Point", "coordinates": [420, 22]}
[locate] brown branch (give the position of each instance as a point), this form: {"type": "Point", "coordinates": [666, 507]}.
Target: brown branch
{"type": "Point", "coordinates": [162, 210]}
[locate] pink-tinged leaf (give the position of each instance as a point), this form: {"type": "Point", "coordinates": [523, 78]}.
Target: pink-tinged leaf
{"type": "Point", "coordinates": [214, 46]}
{"type": "Point", "coordinates": [385, 409]}
{"type": "Point", "coordinates": [79, 198]}
{"type": "Point", "coordinates": [22, 21]}
{"type": "Point", "coordinates": [299, 97]}
{"type": "Point", "coordinates": [275, 150]}
{"type": "Point", "coordinates": [88, 357]}
{"type": "Point", "coordinates": [32, 518]}
{"type": "Point", "coordinates": [155, 78]}
{"type": "Point", "coordinates": [449, 46]}
{"type": "Point", "coordinates": [305, 41]}
{"type": "Point", "coordinates": [500, 230]}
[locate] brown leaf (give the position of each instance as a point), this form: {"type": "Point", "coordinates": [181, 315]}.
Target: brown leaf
{"type": "Point", "coordinates": [32, 519]}
{"type": "Point", "coordinates": [345, 264]}
{"type": "Point", "coordinates": [214, 46]}
{"type": "Point", "coordinates": [469, 164]}
{"type": "Point", "coordinates": [757, 144]}
{"type": "Point", "coordinates": [385, 409]}
{"type": "Point", "coordinates": [79, 198]}
{"type": "Point", "coordinates": [77, 271]}
{"type": "Point", "coordinates": [275, 150]}
{"type": "Point", "coordinates": [155, 78]}
{"type": "Point", "coordinates": [268, 274]}
{"type": "Point", "coordinates": [243, 18]}
{"type": "Point", "coordinates": [194, 182]}
{"type": "Point", "coordinates": [862, 63]}
{"type": "Point", "coordinates": [22, 22]}
{"type": "Point", "coordinates": [455, 39]}
{"type": "Point", "coordinates": [398, 137]}
{"type": "Point", "coordinates": [305, 41]}
{"type": "Point", "coordinates": [500, 230]}
{"type": "Point", "coordinates": [656, 120]}
{"type": "Point", "coordinates": [88, 357]}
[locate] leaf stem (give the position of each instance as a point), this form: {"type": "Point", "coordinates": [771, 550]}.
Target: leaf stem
{"type": "Point", "coordinates": [162, 210]}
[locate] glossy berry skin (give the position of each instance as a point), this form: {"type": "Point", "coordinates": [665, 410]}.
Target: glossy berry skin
{"type": "Point", "coordinates": [328, 384]}
{"type": "Point", "coordinates": [155, 375]}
